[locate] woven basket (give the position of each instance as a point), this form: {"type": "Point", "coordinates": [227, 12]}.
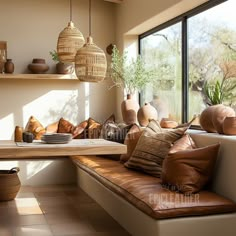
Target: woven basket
{"type": "Point", "coordinates": [69, 41]}
{"type": "Point", "coordinates": [90, 63]}
{"type": "Point", "coordinates": [9, 184]}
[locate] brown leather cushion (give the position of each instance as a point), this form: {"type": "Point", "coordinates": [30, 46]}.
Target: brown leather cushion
{"type": "Point", "coordinates": [131, 141]}
{"type": "Point", "coordinates": [189, 170]}
{"type": "Point", "coordinates": [184, 143]}
{"type": "Point", "coordinates": [152, 147]}
{"type": "Point", "coordinates": [64, 126]}
{"type": "Point", "coordinates": [35, 127]}
{"type": "Point", "coordinates": [146, 192]}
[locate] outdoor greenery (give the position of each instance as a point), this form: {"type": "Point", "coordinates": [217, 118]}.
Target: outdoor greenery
{"type": "Point", "coordinates": [211, 61]}
{"type": "Point", "coordinates": [131, 75]}
{"type": "Point", "coordinates": [224, 90]}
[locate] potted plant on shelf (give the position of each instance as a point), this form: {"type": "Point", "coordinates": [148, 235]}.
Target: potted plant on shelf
{"type": "Point", "coordinates": [132, 76]}
{"type": "Point", "coordinates": [61, 68]}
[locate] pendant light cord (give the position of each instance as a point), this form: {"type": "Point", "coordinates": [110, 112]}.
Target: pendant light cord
{"type": "Point", "coordinates": [70, 10]}
{"type": "Point", "coordinates": [90, 8]}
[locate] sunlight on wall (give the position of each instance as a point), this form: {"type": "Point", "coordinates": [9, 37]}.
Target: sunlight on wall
{"type": "Point", "coordinates": [87, 107]}
{"type": "Point", "coordinates": [7, 127]}
{"type": "Point", "coordinates": [34, 168]}
{"type": "Point", "coordinates": [52, 106]}
{"type": "Point", "coordinates": [9, 165]}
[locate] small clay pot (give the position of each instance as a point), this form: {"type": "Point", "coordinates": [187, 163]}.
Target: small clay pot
{"type": "Point", "coordinates": [167, 123]}
{"type": "Point", "coordinates": [220, 112]}
{"type": "Point", "coordinates": [9, 67]}
{"type": "Point", "coordinates": [145, 113]}
{"type": "Point", "coordinates": [63, 68]}
{"type": "Point", "coordinates": [229, 125]}
{"type": "Point", "coordinates": [38, 66]}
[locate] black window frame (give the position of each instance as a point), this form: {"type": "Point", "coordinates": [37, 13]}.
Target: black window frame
{"type": "Point", "coordinates": [183, 19]}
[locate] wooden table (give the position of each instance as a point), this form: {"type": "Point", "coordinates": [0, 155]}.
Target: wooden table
{"type": "Point", "coordinates": [11, 150]}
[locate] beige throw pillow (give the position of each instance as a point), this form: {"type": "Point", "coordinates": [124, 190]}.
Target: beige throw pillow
{"type": "Point", "coordinates": [153, 146]}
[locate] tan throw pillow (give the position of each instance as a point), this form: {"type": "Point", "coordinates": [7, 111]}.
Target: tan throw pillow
{"type": "Point", "coordinates": [64, 126]}
{"type": "Point", "coordinates": [152, 147]}
{"type": "Point", "coordinates": [131, 141]}
{"type": "Point", "coordinates": [93, 129]}
{"type": "Point", "coordinates": [35, 127]}
{"type": "Point", "coordinates": [52, 128]}
{"type": "Point", "coordinates": [188, 171]}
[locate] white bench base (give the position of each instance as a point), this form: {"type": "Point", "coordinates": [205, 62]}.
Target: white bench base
{"type": "Point", "coordinates": [138, 223]}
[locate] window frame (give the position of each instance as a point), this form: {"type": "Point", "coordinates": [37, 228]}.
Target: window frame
{"type": "Point", "coordinates": [183, 19]}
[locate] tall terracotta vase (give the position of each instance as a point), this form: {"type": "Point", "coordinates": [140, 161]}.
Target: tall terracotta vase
{"type": "Point", "coordinates": [145, 113]}
{"type": "Point", "coordinates": [129, 109]}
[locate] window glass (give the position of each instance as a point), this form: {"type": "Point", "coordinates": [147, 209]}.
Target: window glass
{"type": "Point", "coordinates": [162, 51]}
{"type": "Point", "coordinates": [212, 57]}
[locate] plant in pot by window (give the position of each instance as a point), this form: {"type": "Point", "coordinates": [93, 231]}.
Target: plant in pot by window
{"type": "Point", "coordinates": [61, 68]}
{"type": "Point", "coordinates": [132, 76]}
{"type": "Point", "coordinates": [220, 96]}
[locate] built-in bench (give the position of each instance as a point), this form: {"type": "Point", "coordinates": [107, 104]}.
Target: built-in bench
{"type": "Point", "coordinates": [140, 204]}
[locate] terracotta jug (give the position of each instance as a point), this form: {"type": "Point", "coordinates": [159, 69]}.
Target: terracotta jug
{"type": "Point", "coordinates": [145, 113]}
{"type": "Point", "coordinates": [229, 125]}
{"type": "Point", "coordinates": [129, 109]}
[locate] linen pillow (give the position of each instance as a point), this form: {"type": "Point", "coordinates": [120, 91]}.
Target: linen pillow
{"type": "Point", "coordinates": [152, 147]}
{"type": "Point", "coordinates": [113, 131]}
{"type": "Point", "coordinates": [188, 171]}
{"type": "Point", "coordinates": [131, 141]}
{"type": "Point", "coordinates": [35, 127]}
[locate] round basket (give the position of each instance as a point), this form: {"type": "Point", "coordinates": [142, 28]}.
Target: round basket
{"type": "Point", "coordinates": [69, 41]}
{"type": "Point", "coordinates": [90, 63]}
{"type": "Point", "coordinates": [9, 184]}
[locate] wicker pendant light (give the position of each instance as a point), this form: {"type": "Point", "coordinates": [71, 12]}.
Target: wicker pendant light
{"type": "Point", "coordinates": [69, 41]}
{"type": "Point", "coordinates": [90, 60]}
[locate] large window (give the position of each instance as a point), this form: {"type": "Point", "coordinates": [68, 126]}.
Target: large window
{"type": "Point", "coordinates": [193, 55]}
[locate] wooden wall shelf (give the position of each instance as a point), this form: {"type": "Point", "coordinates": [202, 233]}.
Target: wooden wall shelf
{"type": "Point", "coordinates": [38, 76]}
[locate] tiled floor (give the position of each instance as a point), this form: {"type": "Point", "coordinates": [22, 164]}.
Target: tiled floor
{"type": "Point", "coordinates": [55, 210]}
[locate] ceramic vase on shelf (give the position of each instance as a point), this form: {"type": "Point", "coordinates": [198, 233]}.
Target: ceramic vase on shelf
{"type": "Point", "coordinates": [38, 66]}
{"type": "Point", "coordinates": [145, 113]}
{"type": "Point", "coordinates": [63, 68]}
{"type": "Point", "coordinates": [9, 66]}
{"type": "Point", "coordinates": [129, 109]}
{"type": "Point", "coordinates": [229, 125]}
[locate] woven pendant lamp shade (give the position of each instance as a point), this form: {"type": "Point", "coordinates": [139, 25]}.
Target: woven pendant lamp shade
{"type": "Point", "coordinates": [90, 62]}
{"type": "Point", "coordinates": [69, 41]}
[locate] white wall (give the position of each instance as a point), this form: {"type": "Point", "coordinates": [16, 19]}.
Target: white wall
{"type": "Point", "coordinates": [31, 29]}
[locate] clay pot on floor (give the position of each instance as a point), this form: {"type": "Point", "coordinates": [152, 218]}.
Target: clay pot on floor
{"type": "Point", "coordinates": [145, 113]}
{"type": "Point", "coordinates": [63, 68]}
{"type": "Point", "coordinates": [129, 109]}
{"type": "Point", "coordinates": [229, 125]}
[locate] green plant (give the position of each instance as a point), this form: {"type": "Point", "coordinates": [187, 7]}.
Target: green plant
{"type": "Point", "coordinates": [54, 55]}
{"type": "Point", "coordinates": [131, 75]}
{"type": "Point", "coordinates": [224, 90]}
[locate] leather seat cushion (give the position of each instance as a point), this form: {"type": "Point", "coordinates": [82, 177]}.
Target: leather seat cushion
{"type": "Point", "coordinates": [146, 192]}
